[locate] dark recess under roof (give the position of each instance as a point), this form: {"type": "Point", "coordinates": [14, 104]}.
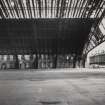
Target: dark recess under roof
{"type": "Point", "coordinates": [44, 35]}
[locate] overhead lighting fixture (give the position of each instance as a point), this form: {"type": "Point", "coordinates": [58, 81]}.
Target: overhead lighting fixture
{"type": "Point", "coordinates": [92, 29]}
{"type": "Point", "coordinates": [24, 1]}
{"type": "Point", "coordinates": [89, 6]}
{"type": "Point", "coordinates": [103, 6]}
{"type": "Point", "coordinates": [12, 4]}
{"type": "Point", "coordinates": [67, 1]}
{"type": "Point", "coordinates": [67, 57]}
{"type": "Point", "coordinates": [86, 12]}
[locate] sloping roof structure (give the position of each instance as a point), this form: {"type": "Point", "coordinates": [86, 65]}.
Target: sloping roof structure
{"type": "Point", "coordinates": [16, 9]}
{"type": "Point", "coordinates": [68, 12]}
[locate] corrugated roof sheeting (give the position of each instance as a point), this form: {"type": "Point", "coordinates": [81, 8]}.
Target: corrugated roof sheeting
{"type": "Point", "coordinates": [51, 8]}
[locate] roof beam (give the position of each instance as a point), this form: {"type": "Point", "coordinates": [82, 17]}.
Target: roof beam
{"type": "Point", "coordinates": [33, 7]}
{"type": "Point", "coordinates": [39, 5]}
{"type": "Point", "coordinates": [1, 13]}
{"type": "Point", "coordinates": [45, 8]}
{"type": "Point", "coordinates": [52, 8]}
{"type": "Point", "coordinates": [75, 8]}
{"type": "Point", "coordinates": [22, 9]}
{"type": "Point", "coordinates": [63, 2]}
{"type": "Point", "coordinates": [58, 2]}
{"type": "Point", "coordinates": [69, 11]}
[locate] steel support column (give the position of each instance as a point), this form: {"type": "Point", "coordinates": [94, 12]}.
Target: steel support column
{"type": "Point", "coordinates": [35, 63]}
{"type": "Point", "coordinates": [16, 62]}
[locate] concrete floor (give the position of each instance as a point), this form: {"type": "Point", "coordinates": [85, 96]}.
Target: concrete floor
{"type": "Point", "coordinates": [51, 88]}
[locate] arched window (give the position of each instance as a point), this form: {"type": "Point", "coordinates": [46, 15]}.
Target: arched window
{"type": "Point", "coordinates": [8, 57]}
{"type": "Point", "coordinates": [11, 57]}
{"type": "Point", "coordinates": [27, 57]}
{"type": "Point", "coordinates": [5, 57]}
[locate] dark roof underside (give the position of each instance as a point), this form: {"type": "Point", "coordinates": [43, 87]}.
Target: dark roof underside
{"type": "Point", "coordinates": [44, 35]}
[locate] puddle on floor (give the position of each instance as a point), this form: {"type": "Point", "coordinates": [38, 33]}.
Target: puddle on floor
{"type": "Point", "coordinates": [50, 102]}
